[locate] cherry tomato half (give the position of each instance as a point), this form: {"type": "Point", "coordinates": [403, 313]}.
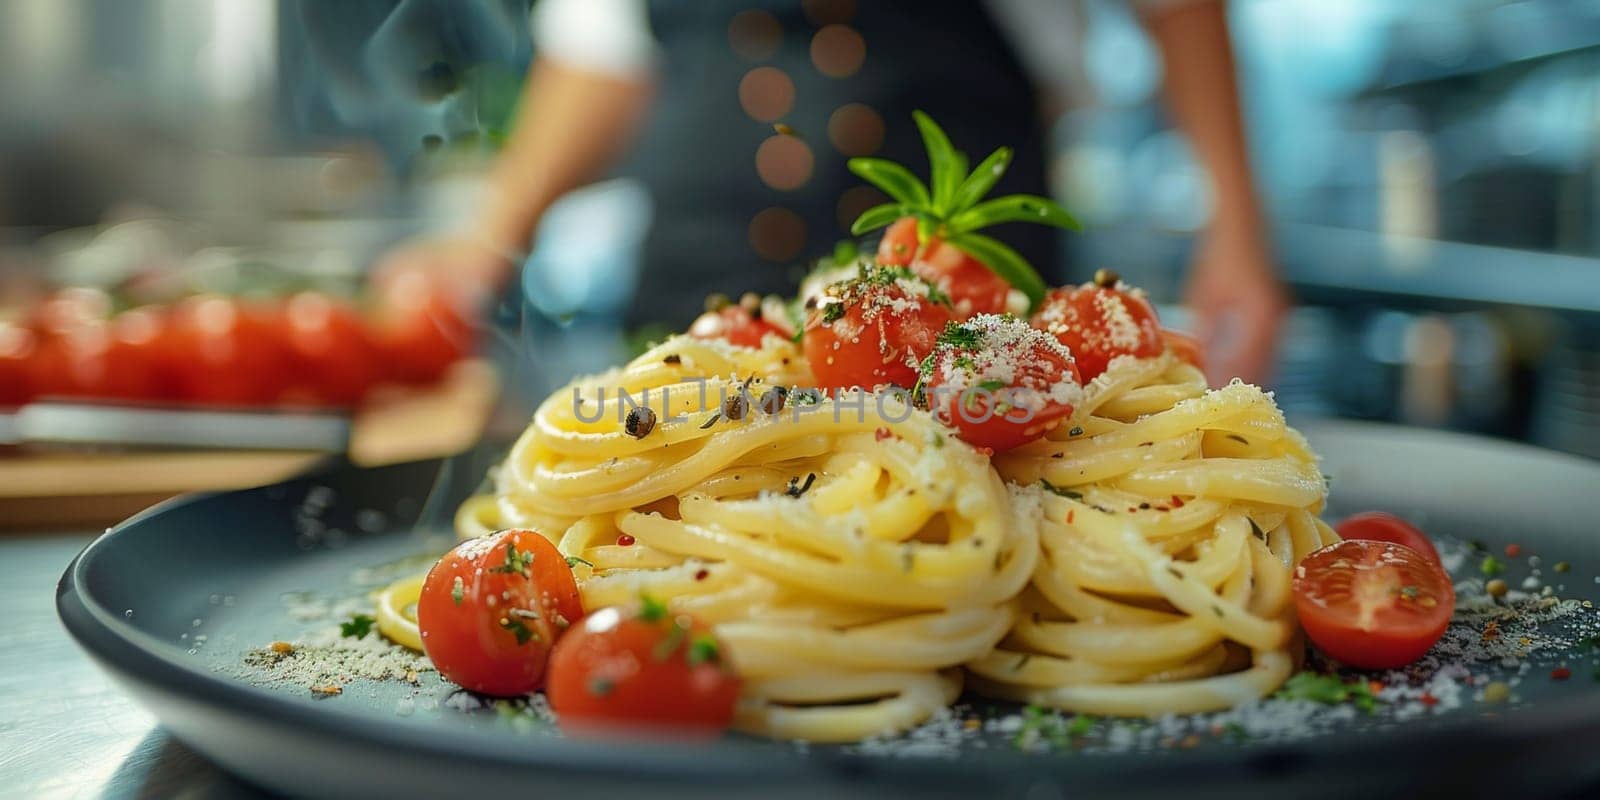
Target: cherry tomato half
{"type": "Point", "coordinates": [973, 288]}
{"type": "Point", "coordinates": [491, 609]}
{"type": "Point", "coordinates": [1374, 605]}
{"type": "Point", "coordinates": [740, 324]}
{"type": "Point", "coordinates": [1099, 321]}
{"type": "Point", "coordinates": [1379, 526]}
{"type": "Point", "coordinates": [642, 668]}
{"type": "Point", "coordinates": [999, 382]}
{"type": "Point", "coordinates": [873, 329]}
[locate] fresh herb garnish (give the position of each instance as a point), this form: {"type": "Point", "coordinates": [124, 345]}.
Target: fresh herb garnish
{"type": "Point", "coordinates": [832, 311]}
{"type": "Point", "coordinates": [573, 561]}
{"type": "Point", "coordinates": [358, 626]}
{"type": "Point", "coordinates": [1060, 492]}
{"type": "Point", "coordinates": [518, 562]}
{"type": "Point", "coordinates": [1040, 724]}
{"type": "Point", "coordinates": [1491, 567]}
{"type": "Point", "coordinates": [991, 385]}
{"type": "Point", "coordinates": [458, 590]}
{"type": "Point", "coordinates": [952, 210]}
{"type": "Point", "coordinates": [518, 629]}
{"type": "Point", "coordinates": [1329, 689]}
{"type": "Point", "coordinates": [703, 650]}
{"type": "Point", "coordinates": [959, 336]}
{"type": "Point", "coordinates": [845, 251]}
{"type": "Point", "coordinates": [651, 609]}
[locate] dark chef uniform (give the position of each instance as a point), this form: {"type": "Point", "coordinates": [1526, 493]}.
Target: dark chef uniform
{"type": "Point", "coordinates": [698, 152]}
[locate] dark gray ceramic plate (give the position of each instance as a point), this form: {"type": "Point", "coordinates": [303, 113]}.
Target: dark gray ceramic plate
{"type": "Point", "coordinates": [218, 566]}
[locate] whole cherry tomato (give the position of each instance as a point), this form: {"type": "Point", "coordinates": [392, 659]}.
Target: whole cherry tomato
{"type": "Point", "coordinates": [972, 287]}
{"type": "Point", "coordinates": [1099, 321]}
{"type": "Point", "coordinates": [874, 329]}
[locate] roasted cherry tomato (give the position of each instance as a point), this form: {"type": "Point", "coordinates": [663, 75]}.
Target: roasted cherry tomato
{"type": "Point", "coordinates": [492, 608]}
{"type": "Point", "coordinates": [742, 324]}
{"type": "Point", "coordinates": [1374, 605]}
{"type": "Point", "coordinates": [419, 327]}
{"type": "Point", "coordinates": [1000, 382]}
{"type": "Point", "coordinates": [1099, 321]}
{"type": "Point", "coordinates": [874, 329]}
{"type": "Point", "coordinates": [17, 348]}
{"type": "Point", "coordinates": [1379, 526]}
{"type": "Point", "coordinates": [221, 352]}
{"type": "Point", "coordinates": [332, 362]}
{"type": "Point", "coordinates": [973, 288]}
{"type": "Point", "coordinates": [1185, 347]}
{"type": "Point", "coordinates": [642, 667]}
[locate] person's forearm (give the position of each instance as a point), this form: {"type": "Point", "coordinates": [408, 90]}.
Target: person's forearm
{"type": "Point", "coordinates": [1203, 95]}
{"type": "Point", "coordinates": [570, 126]}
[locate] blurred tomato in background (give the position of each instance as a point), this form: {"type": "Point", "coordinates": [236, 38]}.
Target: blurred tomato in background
{"type": "Point", "coordinates": [330, 359]}
{"type": "Point", "coordinates": [419, 327]}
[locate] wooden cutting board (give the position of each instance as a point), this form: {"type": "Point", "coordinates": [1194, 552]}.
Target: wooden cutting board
{"type": "Point", "coordinates": [62, 490]}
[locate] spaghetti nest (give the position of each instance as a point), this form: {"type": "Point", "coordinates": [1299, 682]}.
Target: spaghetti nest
{"type": "Point", "coordinates": [849, 552]}
{"type": "Point", "coordinates": [1172, 519]}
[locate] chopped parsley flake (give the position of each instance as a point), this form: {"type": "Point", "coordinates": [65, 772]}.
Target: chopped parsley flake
{"type": "Point", "coordinates": [1051, 727]}
{"type": "Point", "coordinates": [651, 609]}
{"type": "Point", "coordinates": [703, 649]}
{"type": "Point", "coordinates": [518, 562]}
{"type": "Point", "coordinates": [458, 590]}
{"type": "Point", "coordinates": [518, 629]}
{"type": "Point", "coordinates": [1491, 567]}
{"type": "Point", "coordinates": [1060, 492]}
{"type": "Point", "coordinates": [573, 561]}
{"type": "Point", "coordinates": [1329, 689]}
{"type": "Point", "coordinates": [359, 626]}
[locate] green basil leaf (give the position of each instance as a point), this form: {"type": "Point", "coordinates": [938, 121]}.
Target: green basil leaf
{"type": "Point", "coordinates": [895, 180]}
{"type": "Point", "coordinates": [877, 217]}
{"type": "Point", "coordinates": [946, 166]}
{"type": "Point", "coordinates": [1014, 208]}
{"type": "Point", "coordinates": [1003, 261]}
{"type": "Point", "coordinates": [981, 180]}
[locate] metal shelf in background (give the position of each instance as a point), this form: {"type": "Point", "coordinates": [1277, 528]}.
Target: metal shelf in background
{"type": "Point", "coordinates": [1347, 260]}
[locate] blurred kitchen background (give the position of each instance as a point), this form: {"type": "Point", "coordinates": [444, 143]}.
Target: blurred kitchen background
{"type": "Point", "coordinates": [1433, 169]}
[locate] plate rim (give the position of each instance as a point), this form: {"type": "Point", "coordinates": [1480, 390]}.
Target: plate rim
{"type": "Point", "coordinates": [139, 657]}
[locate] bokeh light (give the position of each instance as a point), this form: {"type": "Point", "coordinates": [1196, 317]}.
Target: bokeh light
{"type": "Point", "coordinates": [755, 35]}
{"type": "Point", "coordinates": [766, 93]}
{"type": "Point", "coordinates": [838, 51]}
{"type": "Point", "coordinates": [784, 162]}
{"type": "Point", "coordinates": [777, 234]}
{"type": "Point", "coordinates": [856, 129]}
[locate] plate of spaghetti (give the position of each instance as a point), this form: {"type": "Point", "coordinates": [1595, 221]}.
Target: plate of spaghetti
{"type": "Point", "coordinates": [928, 526]}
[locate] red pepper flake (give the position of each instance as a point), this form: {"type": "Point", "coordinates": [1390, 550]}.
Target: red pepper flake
{"type": "Point", "coordinates": [1177, 502]}
{"type": "Point", "coordinates": [882, 433]}
{"type": "Point", "coordinates": [1560, 674]}
{"type": "Point", "coordinates": [1375, 686]}
{"type": "Point", "coordinates": [986, 452]}
{"type": "Point", "coordinates": [625, 540]}
{"type": "Point", "coordinates": [701, 574]}
{"type": "Point", "coordinates": [1513, 550]}
{"type": "Point", "coordinates": [1429, 700]}
{"type": "Point", "coordinates": [1070, 515]}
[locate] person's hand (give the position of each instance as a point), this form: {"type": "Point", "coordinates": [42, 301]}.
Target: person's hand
{"type": "Point", "coordinates": [1239, 304]}
{"type": "Point", "coordinates": [464, 268]}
